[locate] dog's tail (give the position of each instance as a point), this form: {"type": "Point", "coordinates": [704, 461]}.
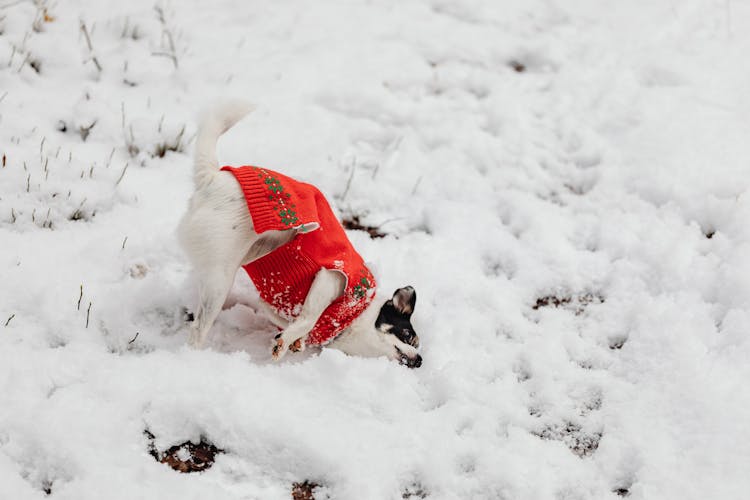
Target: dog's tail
{"type": "Point", "coordinates": [214, 123]}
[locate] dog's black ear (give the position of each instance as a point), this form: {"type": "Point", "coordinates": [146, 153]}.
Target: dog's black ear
{"type": "Point", "coordinates": [404, 300]}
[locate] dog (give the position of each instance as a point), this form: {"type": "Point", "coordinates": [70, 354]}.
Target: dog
{"type": "Point", "coordinates": [313, 285]}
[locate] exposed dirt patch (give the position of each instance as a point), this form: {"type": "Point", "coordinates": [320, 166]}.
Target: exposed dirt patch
{"type": "Point", "coordinates": [304, 490]}
{"type": "Point", "coordinates": [517, 66]}
{"type": "Point", "coordinates": [579, 442]}
{"type": "Point", "coordinates": [353, 223]}
{"type": "Point", "coordinates": [551, 300]}
{"type": "Point", "coordinates": [416, 490]}
{"type": "Point", "coordinates": [576, 303]}
{"type": "Point", "coordinates": [185, 457]}
{"type": "Point", "coordinates": [617, 343]}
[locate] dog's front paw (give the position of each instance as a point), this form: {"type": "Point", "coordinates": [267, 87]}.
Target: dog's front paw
{"type": "Point", "coordinates": [279, 347]}
{"type": "Point", "coordinates": [297, 346]}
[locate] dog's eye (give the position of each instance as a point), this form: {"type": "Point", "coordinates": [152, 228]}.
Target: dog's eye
{"type": "Point", "coordinates": [408, 337]}
{"type": "Point", "coordinates": [412, 339]}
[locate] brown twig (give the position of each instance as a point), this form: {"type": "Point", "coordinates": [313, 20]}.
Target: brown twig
{"type": "Point", "coordinates": [172, 54]}
{"type": "Point", "coordinates": [351, 176]}
{"type": "Point", "coordinates": [91, 48]}
{"type": "Point", "coordinates": [120, 178]}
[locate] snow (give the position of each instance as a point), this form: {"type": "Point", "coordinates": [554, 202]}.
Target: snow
{"type": "Point", "coordinates": [577, 233]}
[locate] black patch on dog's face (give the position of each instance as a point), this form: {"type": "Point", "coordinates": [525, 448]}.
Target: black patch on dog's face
{"type": "Point", "coordinates": [395, 316]}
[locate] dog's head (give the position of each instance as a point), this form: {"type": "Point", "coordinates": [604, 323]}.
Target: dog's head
{"type": "Point", "coordinates": [385, 329]}
{"type": "Point", "coordinates": [394, 324]}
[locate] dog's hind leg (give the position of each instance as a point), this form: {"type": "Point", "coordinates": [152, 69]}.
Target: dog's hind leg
{"type": "Point", "coordinates": [212, 291]}
{"type": "Point", "coordinates": [216, 235]}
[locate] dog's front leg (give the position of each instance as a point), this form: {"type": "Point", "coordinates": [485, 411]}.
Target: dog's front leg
{"type": "Point", "coordinates": [326, 287]}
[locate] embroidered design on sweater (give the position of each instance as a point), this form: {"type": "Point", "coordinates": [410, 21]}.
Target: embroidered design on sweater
{"type": "Point", "coordinates": [279, 198]}
{"type": "Point", "coordinates": [361, 288]}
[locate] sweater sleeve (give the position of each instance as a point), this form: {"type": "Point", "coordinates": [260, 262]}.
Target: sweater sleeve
{"type": "Point", "coordinates": [338, 316]}
{"type": "Point", "coordinates": [342, 312]}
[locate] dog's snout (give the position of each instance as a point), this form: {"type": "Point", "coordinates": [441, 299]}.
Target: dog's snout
{"type": "Point", "coordinates": [414, 362]}
{"type": "Point", "coordinates": [417, 362]}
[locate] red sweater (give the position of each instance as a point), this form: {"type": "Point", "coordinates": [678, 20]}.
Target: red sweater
{"type": "Point", "coordinates": [284, 276]}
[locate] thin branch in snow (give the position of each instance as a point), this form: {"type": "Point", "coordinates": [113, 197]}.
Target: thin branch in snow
{"type": "Point", "coordinates": [351, 176]}
{"type": "Point", "coordinates": [23, 63]}
{"type": "Point", "coordinates": [133, 339]}
{"type": "Point", "coordinates": [120, 178]}
{"type": "Point", "coordinates": [79, 298]}
{"type": "Point", "coordinates": [109, 160]}
{"type": "Point", "coordinates": [375, 170]}
{"type": "Point", "coordinates": [124, 241]}
{"type": "Point", "coordinates": [166, 32]}
{"type": "Point", "coordinates": [88, 313]}
{"type": "Point", "coordinates": [78, 214]}
{"type": "Point", "coordinates": [133, 150]}
{"type": "Point", "coordinates": [91, 48]}
{"type": "Point", "coordinates": [416, 185]}
{"type": "Point", "coordinates": [47, 223]}
{"type": "Point", "coordinates": [11, 317]}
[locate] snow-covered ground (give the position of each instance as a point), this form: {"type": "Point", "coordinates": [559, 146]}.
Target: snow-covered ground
{"type": "Point", "coordinates": [564, 183]}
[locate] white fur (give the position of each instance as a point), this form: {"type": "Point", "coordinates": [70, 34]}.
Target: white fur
{"type": "Point", "coordinates": [218, 237]}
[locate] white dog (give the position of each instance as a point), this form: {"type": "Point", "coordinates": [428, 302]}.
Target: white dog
{"type": "Point", "coordinates": [313, 284]}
